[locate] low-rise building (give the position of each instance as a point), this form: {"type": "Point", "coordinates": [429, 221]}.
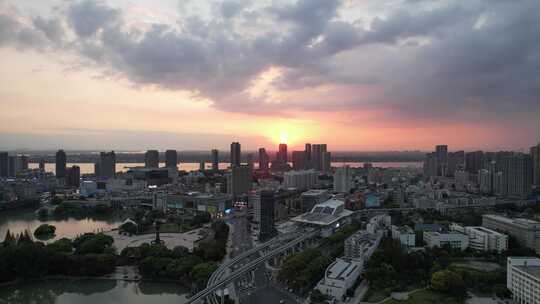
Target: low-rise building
{"type": "Point", "coordinates": [523, 279]}
{"type": "Point", "coordinates": [339, 277]}
{"type": "Point", "coordinates": [526, 232]}
{"type": "Point", "coordinates": [405, 235]}
{"type": "Point", "coordinates": [484, 239]}
{"type": "Point", "coordinates": [453, 238]}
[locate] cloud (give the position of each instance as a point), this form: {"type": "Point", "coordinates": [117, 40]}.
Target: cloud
{"type": "Point", "coordinates": [416, 59]}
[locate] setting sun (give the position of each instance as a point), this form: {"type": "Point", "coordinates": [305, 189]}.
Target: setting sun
{"type": "Point", "coordinates": [283, 138]}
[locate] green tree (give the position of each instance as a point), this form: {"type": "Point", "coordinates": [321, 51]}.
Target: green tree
{"type": "Point", "coordinates": [318, 297]}
{"type": "Point", "coordinates": [449, 282]}
{"type": "Point", "coordinates": [44, 231]}
{"type": "Point", "coordinates": [129, 227]}
{"type": "Point", "coordinates": [201, 273]}
{"type": "Point", "coordinates": [62, 245]}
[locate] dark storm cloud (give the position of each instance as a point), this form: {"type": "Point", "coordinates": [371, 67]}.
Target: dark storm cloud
{"type": "Point", "coordinates": [425, 57]}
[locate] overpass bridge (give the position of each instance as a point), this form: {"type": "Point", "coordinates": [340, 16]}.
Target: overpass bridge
{"type": "Point", "coordinates": [236, 267]}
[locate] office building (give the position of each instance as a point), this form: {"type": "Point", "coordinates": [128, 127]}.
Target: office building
{"type": "Point", "coordinates": [42, 165]}
{"type": "Point", "coordinates": [523, 279]}
{"type": "Point", "coordinates": [483, 239]}
{"type": "Point", "coordinates": [327, 162]}
{"type": "Point", "coordinates": [313, 197]}
{"type": "Point", "coordinates": [202, 165]}
{"type": "Point", "coordinates": [299, 160]}
{"type": "Point", "coordinates": [25, 160]}
{"type": "Point", "coordinates": [281, 155]}
{"type": "Point", "coordinates": [151, 159]}
{"type": "Point", "coordinates": [73, 176]}
{"type": "Point", "coordinates": [474, 161]}
{"type": "Point", "coordinates": [215, 160]}
{"type": "Point", "coordinates": [239, 180]}
{"type": "Point", "coordinates": [106, 166]}
{"type": "Point", "coordinates": [441, 152]}
{"type": "Point", "coordinates": [4, 164]}
{"type": "Point", "coordinates": [405, 235]}
{"type": "Point", "coordinates": [236, 154]}
{"type": "Point", "coordinates": [535, 156]}
{"type": "Point", "coordinates": [456, 161]}
{"type": "Point", "coordinates": [485, 180]}
{"type": "Point", "coordinates": [518, 175]}
{"type": "Point", "coordinates": [453, 239]}
{"type": "Point", "coordinates": [343, 179]}
{"type": "Point", "coordinates": [301, 179]}
{"type": "Point", "coordinates": [318, 152]}
{"type": "Point", "coordinates": [60, 164]}
{"type": "Point", "coordinates": [307, 151]}
{"type": "Point", "coordinates": [263, 205]}
{"type": "Point", "coordinates": [171, 159]}
{"type": "Point", "coordinates": [526, 232]}
{"type": "Point", "coordinates": [430, 165]}
{"type": "Point", "coordinates": [264, 160]}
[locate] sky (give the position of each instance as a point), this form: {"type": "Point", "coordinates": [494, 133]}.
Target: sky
{"type": "Point", "coordinates": [366, 75]}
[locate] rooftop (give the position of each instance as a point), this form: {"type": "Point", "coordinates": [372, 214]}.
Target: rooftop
{"type": "Point", "coordinates": [341, 269]}
{"type": "Point", "coordinates": [532, 270]}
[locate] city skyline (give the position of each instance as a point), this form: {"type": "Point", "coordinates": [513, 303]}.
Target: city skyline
{"type": "Point", "coordinates": [398, 75]}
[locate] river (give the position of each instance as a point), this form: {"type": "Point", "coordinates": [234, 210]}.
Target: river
{"type": "Point", "coordinates": [92, 292]}
{"type": "Point", "coordinates": [88, 168]}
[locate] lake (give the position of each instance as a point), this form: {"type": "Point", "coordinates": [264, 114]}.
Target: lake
{"type": "Point", "coordinates": [20, 220]}
{"type": "Point", "coordinates": [92, 292]}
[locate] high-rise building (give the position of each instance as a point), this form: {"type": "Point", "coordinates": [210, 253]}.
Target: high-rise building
{"type": "Point", "coordinates": [215, 160]}
{"type": "Point", "coordinates": [4, 164]}
{"type": "Point", "coordinates": [239, 180]}
{"type": "Point", "coordinates": [474, 161]}
{"type": "Point", "coordinates": [327, 162]}
{"type": "Point", "coordinates": [307, 150]}
{"type": "Point", "coordinates": [301, 180]}
{"type": "Point", "coordinates": [13, 166]}
{"type": "Point", "coordinates": [456, 161]}
{"type": "Point", "coordinates": [316, 157]}
{"type": "Point", "coordinates": [343, 179]}
{"type": "Point", "coordinates": [42, 165]}
{"type": "Point", "coordinates": [281, 155]}
{"type": "Point", "coordinates": [151, 159]}
{"type": "Point", "coordinates": [441, 151]}
{"type": "Point", "coordinates": [249, 159]}
{"type": "Point", "coordinates": [485, 180]}
{"type": "Point", "coordinates": [299, 160]}
{"type": "Point", "coordinates": [236, 154]}
{"type": "Point", "coordinates": [106, 166]}
{"type": "Point", "coordinates": [61, 162]}
{"type": "Point", "coordinates": [202, 165]}
{"type": "Point", "coordinates": [263, 205]}
{"type": "Point", "coordinates": [73, 176]}
{"type": "Point", "coordinates": [518, 175]}
{"type": "Point", "coordinates": [430, 165]}
{"type": "Point", "coordinates": [171, 159]}
{"type": "Point", "coordinates": [25, 160]}
{"type": "Point", "coordinates": [264, 160]}
{"type": "Point", "coordinates": [535, 155]}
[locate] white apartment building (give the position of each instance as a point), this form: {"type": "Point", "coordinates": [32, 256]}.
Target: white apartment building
{"type": "Point", "coordinates": [405, 235]}
{"type": "Point", "coordinates": [453, 238]}
{"type": "Point", "coordinates": [484, 239]}
{"type": "Point", "coordinates": [523, 279]}
{"type": "Point", "coordinates": [300, 179]}
{"type": "Point", "coordinates": [343, 179]}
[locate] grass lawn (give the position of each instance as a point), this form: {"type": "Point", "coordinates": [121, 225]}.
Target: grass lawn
{"type": "Point", "coordinates": [426, 297]}
{"type": "Point", "coordinates": [374, 296]}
